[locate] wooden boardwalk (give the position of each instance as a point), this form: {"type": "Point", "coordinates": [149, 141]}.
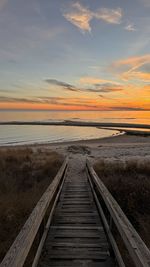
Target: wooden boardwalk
{"type": "Point", "coordinates": [65, 228]}
{"type": "Point", "coordinates": [76, 236]}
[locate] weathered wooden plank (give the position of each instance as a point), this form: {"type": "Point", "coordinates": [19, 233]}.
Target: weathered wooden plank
{"type": "Point", "coordinates": [65, 215]}
{"type": "Point", "coordinates": [79, 222]}
{"type": "Point", "coordinates": [75, 209]}
{"type": "Point", "coordinates": [70, 219]}
{"type": "Point", "coordinates": [75, 228]}
{"type": "Point", "coordinates": [75, 192]}
{"type": "Point", "coordinates": [73, 203]}
{"type": "Point", "coordinates": [69, 244]}
{"type": "Point", "coordinates": [79, 234]}
{"type": "Point", "coordinates": [76, 197]}
{"type": "Point", "coordinates": [74, 253]}
{"type": "Point", "coordinates": [77, 263]}
{"type": "Point", "coordinates": [77, 206]}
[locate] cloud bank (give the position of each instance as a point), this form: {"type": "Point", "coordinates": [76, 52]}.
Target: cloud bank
{"type": "Point", "coordinates": [64, 103]}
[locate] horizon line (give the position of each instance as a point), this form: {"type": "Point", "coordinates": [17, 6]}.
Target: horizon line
{"type": "Point", "coordinates": [74, 110]}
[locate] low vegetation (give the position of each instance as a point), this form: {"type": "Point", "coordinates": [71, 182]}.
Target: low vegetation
{"type": "Point", "coordinates": [24, 176]}
{"type": "Point", "coordinates": [129, 183]}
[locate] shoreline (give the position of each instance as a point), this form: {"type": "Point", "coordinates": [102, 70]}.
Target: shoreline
{"type": "Point", "coordinates": [56, 143]}
{"type": "Point", "coordinates": [128, 131]}
{"type": "Point", "coordinates": [119, 140]}
{"type": "Point", "coordinates": [77, 123]}
{"type": "Point", "coordinates": [121, 131]}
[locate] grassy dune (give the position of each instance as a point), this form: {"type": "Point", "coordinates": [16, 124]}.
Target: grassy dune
{"type": "Point", "coordinates": [129, 183]}
{"type": "Point", "coordinates": [24, 176]}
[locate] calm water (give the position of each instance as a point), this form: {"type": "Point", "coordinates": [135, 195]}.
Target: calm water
{"type": "Point", "coordinates": [38, 134]}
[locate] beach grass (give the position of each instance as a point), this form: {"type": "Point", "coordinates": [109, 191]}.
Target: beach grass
{"type": "Point", "coordinates": [129, 183]}
{"type": "Point", "coordinates": [24, 176]}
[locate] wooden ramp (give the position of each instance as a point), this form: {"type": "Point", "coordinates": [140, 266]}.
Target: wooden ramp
{"type": "Point", "coordinates": [76, 236]}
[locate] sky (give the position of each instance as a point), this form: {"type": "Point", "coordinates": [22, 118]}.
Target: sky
{"type": "Point", "coordinates": [75, 55]}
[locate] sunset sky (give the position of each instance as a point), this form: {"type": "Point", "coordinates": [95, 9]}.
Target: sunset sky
{"type": "Point", "coordinates": [75, 55]}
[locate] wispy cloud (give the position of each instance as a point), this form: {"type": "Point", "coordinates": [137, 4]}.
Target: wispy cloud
{"type": "Point", "coordinates": [68, 103]}
{"type": "Point", "coordinates": [130, 27]}
{"type": "Point", "coordinates": [132, 68]}
{"type": "Point", "coordinates": [52, 102]}
{"type": "Point", "coordinates": [125, 108]}
{"type": "Point", "coordinates": [65, 85]}
{"type": "Point", "coordinates": [94, 80]}
{"type": "Point", "coordinates": [109, 88]}
{"type": "Point", "coordinates": [136, 75]}
{"type": "Point", "coordinates": [81, 16]}
{"type": "Point", "coordinates": [97, 85]}
{"type": "Point", "coordinates": [105, 88]}
{"type": "Point", "coordinates": [134, 62]}
{"type": "Point", "coordinates": [112, 16]}
{"type": "Point", "coordinates": [20, 100]}
{"type": "Point", "coordinates": [89, 84]}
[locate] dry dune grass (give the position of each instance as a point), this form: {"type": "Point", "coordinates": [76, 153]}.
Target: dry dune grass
{"type": "Point", "coordinates": [129, 183]}
{"type": "Point", "coordinates": [24, 176]}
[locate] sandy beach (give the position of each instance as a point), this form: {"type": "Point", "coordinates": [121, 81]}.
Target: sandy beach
{"type": "Point", "coordinates": [114, 147]}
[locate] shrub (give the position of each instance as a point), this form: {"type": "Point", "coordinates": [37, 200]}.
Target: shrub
{"type": "Point", "coordinates": [129, 183]}
{"type": "Point", "coordinates": [24, 176]}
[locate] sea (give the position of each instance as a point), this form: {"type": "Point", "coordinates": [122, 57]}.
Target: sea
{"type": "Point", "coordinates": [34, 134]}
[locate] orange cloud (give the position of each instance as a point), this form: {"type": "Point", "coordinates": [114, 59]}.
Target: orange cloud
{"type": "Point", "coordinates": [130, 97]}
{"type": "Point", "coordinates": [94, 80]}
{"type": "Point", "coordinates": [130, 68]}
{"type": "Point", "coordinates": [130, 101]}
{"type": "Point", "coordinates": [136, 75]}
{"type": "Point", "coordinates": [81, 16]}
{"type": "Point", "coordinates": [132, 62]}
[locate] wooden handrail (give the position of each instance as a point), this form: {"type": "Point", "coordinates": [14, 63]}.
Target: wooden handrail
{"type": "Point", "coordinates": [19, 250]}
{"type": "Point", "coordinates": [137, 249]}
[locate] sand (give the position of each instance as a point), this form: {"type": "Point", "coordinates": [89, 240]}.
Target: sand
{"type": "Point", "coordinates": [115, 148]}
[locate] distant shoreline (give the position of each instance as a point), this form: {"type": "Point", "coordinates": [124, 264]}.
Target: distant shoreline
{"type": "Point", "coordinates": [129, 132]}
{"type": "Point", "coordinates": [78, 123]}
